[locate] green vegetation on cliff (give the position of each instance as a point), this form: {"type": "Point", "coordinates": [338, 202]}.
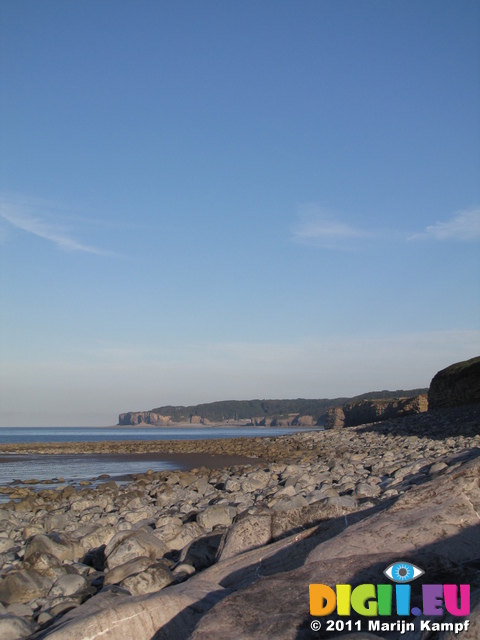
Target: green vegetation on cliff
{"type": "Point", "coordinates": [246, 409]}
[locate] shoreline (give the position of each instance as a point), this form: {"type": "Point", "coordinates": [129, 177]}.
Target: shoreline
{"type": "Point", "coordinates": [56, 471]}
{"type": "Point", "coordinates": [250, 446]}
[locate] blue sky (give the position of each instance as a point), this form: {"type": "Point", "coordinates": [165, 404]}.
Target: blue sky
{"type": "Point", "coordinates": [230, 200]}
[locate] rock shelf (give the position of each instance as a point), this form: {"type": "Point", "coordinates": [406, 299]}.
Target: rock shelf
{"type": "Point", "coordinates": [73, 554]}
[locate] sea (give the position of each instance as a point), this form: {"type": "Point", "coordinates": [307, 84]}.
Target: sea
{"type": "Point", "coordinates": [74, 468]}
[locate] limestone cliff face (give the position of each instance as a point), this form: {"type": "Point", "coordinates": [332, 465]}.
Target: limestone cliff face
{"type": "Point", "coordinates": [142, 417]}
{"type": "Point", "coordinates": [456, 385]}
{"type": "Point", "coordinates": [291, 421]}
{"type": "Point", "coordinates": [355, 413]}
{"type": "Point", "coordinates": [133, 418]}
{"type": "Point", "coordinates": [335, 418]}
{"type": "Point", "coordinates": [199, 420]}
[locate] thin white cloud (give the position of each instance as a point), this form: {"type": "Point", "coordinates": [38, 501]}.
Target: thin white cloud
{"type": "Point", "coordinates": [33, 217]}
{"type": "Point", "coordinates": [464, 226]}
{"type": "Point", "coordinates": [320, 228]}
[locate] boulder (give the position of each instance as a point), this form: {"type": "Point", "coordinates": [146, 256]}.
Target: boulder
{"type": "Point", "coordinates": [249, 532]}
{"type": "Point", "coordinates": [128, 545]}
{"type": "Point", "coordinates": [156, 577]}
{"type": "Point", "coordinates": [68, 585]}
{"type": "Point", "coordinates": [216, 515]}
{"type": "Point", "coordinates": [13, 627]}
{"type": "Point", "coordinates": [7, 544]}
{"type": "Point", "coordinates": [137, 565]}
{"type": "Point", "coordinates": [45, 564]}
{"type": "Point", "coordinates": [22, 586]}
{"type": "Point", "coordinates": [202, 552]}
{"type": "Point", "coordinates": [456, 385]}
{"type": "Point", "coordinates": [98, 537]}
{"type": "Point", "coordinates": [187, 533]}
{"type": "Point", "coordinates": [167, 527]}
{"type": "Point", "coordinates": [60, 545]}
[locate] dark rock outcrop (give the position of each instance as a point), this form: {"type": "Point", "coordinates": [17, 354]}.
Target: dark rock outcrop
{"type": "Point", "coordinates": [456, 385]}
{"type": "Point", "coordinates": [366, 411]}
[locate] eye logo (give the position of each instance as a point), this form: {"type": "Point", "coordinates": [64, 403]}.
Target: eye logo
{"type": "Point", "coordinates": [403, 572]}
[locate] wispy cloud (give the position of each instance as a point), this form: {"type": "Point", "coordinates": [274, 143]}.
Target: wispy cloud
{"type": "Point", "coordinates": [316, 227]}
{"type": "Point", "coordinates": [39, 219]}
{"type": "Point", "coordinates": [464, 226]}
{"type": "Point", "coordinates": [320, 228]}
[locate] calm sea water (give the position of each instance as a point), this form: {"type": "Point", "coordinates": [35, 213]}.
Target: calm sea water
{"type": "Point", "coordinates": [74, 468]}
{"type": "Point", "coordinates": [95, 434]}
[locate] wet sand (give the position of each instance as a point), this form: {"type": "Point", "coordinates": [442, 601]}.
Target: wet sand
{"type": "Point", "coordinates": [73, 468]}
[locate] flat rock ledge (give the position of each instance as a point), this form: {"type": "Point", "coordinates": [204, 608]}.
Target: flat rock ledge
{"type": "Point", "coordinates": [229, 553]}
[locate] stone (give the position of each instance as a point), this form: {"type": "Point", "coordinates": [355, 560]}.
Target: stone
{"type": "Point", "coordinates": [133, 545]}
{"type": "Point", "coordinates": [167, 527]}
{"type": "Point", "coordinates": [248, 532]}
{"type": "Point", "coordinates": [67, 585]}
{"type": "Point", "coordinates": [156, 577]}
{"type": "Point", "coordinates": [146, 513]}
{"type": "Point", "coordinates": [119, 573]}
{"type": "Point", "coordinates": [56, 522]}
{"type": "Point", "coordinates": [98, 537]}
{"type": "Point", "coordinates": [6, 544]}
{"type": "Point", "coordinates": [438, 466]}
{"type": "Point", "coordinates": [20, 609]}
{"type": "Point", "coordinates": [294, 502]}
{"type": "Point", "coordinates": [202, 552]}
{"type": "Point", "coordinates": [45, 564]}
{"type": "Point", "coordinates": [13, 627]}
{"type": "Point", "coordinates": [63, 604]}
{"type": "Point", "coordinates": [80, 504]}
{"type": "Point", "coordinates": [23, 586]}
{"type": "Point", "coordinates": [365, 490]}
{"type": "Point", "coordinates": [251, 485]}
{"type": "Point", "coordinates": [183, 570]}
{"type": "Point", "coordinates": [187, 533]}
{"type": "Point", "coordinates": [216, 515]}
{"type": "Point", "coordinates": [59, 545]}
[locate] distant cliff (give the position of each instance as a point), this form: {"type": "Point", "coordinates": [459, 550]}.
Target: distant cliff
{"type": "Point", "coordinates": [298, 412]}
{"type": "Point", "coordinates": [142, 417]}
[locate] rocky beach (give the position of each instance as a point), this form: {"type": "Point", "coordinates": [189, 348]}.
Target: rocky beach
{"type": "Point", "coordinates": [229, 551]}
{"type": "Point", "coordinates": [86, 558]}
